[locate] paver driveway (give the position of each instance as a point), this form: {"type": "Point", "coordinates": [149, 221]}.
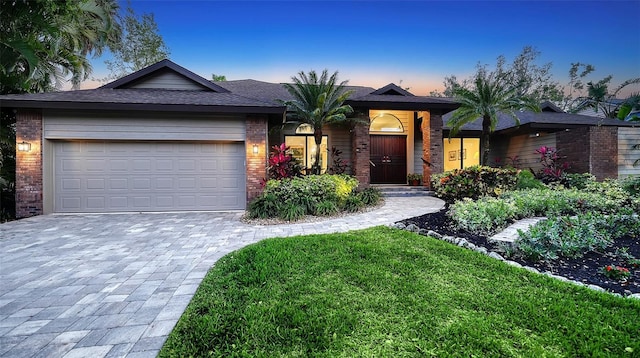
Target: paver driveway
{"type": "Point", "coordinates": [114, 285]}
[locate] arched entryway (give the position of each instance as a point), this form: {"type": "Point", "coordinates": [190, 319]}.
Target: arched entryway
{"type": "Point", "coordinates": [388, 150]}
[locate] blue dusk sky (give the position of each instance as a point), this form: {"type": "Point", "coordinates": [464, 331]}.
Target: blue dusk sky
{"type": "Point", "coordinates": [373, 43]}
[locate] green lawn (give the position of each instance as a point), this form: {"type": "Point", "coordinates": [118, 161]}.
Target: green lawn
{"type": "Point", "coordinates": [383, 292]}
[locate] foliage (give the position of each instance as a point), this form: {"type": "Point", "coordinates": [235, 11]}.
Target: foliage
{"type": "Point", "coordinates": [326, 208]}
{"type": "Point", "coordinates": [317, 101]}
{"type": "Point", "coordinates": [527, 180]}
{"type": "Point", "coordinates": [389, 293]}
{"type": "Point", "coordinates": [631, 185]}
{"type": "Point", "coordinates": [218, 78]}
{"type": "Point", "coordinates": [572, 236]}
{"type": "Point", "coordinates": [599, 99]}
{"type": "Point", "coordinates": [44, 43]}
{"type": "Point", "coordinates": [577, 180]}
{"type": "Point", "coordinates": [486, 217]}
{"type": "Point", "coordinates": [303, 193]}
{"type": "Point", "coordinates": [353, 204]}
{"type": "Point", "coordinates": [414, 176]}
{"type": "Point", "coordinates": [339, 165]}
{"type": "Point", "coordinates": [141, 46]}
{"type": "Point", "coordinates": [472, 182]}
{"type": "Point", "coordinates": [553, 168]}
{"type": "Point", "coordinates": [370, 196]}
{"type": "Point", "coordinates": [489, 215]}
{"type": "Point", "coordinates": [526, 76]}
{"type": "Point", "coordinates": [282, 164]}
{"type": "Point", "coordinates": [492, 94]}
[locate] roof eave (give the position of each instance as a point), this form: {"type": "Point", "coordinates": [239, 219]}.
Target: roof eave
{"type": "Point", "coordinates": [143, 107]}
{"type": "Point", "coordinates": [416, 106]}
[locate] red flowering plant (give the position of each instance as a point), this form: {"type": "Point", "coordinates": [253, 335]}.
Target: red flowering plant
{"type": "Point", "coordinates": [282, 164]}
{"type": "Point", "coordinates": [552, 168]}
{"type": "Point", "coordinates": [615, 272]}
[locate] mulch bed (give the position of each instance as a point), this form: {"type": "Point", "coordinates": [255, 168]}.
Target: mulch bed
{"type": "Point", "coordinates": [584, 269]}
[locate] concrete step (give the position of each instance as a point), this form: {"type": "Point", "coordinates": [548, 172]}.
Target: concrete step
{"type": "Point", "coordinates": [403, 190]}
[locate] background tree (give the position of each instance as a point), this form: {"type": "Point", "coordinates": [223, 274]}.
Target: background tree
{"type": "Point", "coordinates": [523, 75]}
{"type": "Point", "coordinates": [318, 101]}
{"type": "Point", "coordinates": [218, 78]}
{"type": "Point", "coordinates": [141, 46]}
{"type": "Point", "coordinates": [43, 44]}
{"type": "Point", "coordinates": [491, 94]}
{"type": "Point", "coordinates": [601, 100]}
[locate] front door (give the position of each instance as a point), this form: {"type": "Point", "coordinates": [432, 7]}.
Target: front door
{"type": "Point", "coordinates": [388, 156]}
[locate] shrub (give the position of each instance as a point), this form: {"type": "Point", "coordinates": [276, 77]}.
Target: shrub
{"type": "Point", "coordinates": [370, 196]}
{"type": "Point", "coordinates": [292, 198]}
{"type": "Point", "coordinates": [631, 185]}
{"type": "Point", "coordinates": [485, 216]}
{"type": "Point", "coordinates": [527, 180]}
{"type": "Point", "coordinates": [282, 164]}
{"type": "Point", "coordinates": [264, 206]}
{"type": "Point", "coordinates": [488, 215]}
{"type": "Point", "coordinates": [353, 204]}
{"type": "Point", "coordinates": [568, 236]}
{"type": "Point", "coordinates": [473, 182]}
{"type": "Point", "coordinates": [326, 208]}
{"type": "Point", "coordinates": [553, 169]}
{"type": "Point", "coordinates": [291, 212]}
{"type": "Point", "coordinates": [577, 181]}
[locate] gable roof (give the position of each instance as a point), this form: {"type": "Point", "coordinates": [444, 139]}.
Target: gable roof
{"type": "Point", "coordinates": [146, 90]}
{"type": "Point", "coordinates": [392, 90]}
{"type": "Point", "coordinates": [163, 66]}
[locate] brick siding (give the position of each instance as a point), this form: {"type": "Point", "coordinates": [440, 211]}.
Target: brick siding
{"type": "Point", "coordinates": [604, 152]}
{"type": "Point", "coordinates": [256, 163]}
{"type": "Point", "coordinates": [574, 144]}
{"type": "Point", "coordinates": [29, 164]}
{"type": "Point", "coordinates": [432, 150]}
{"type": "Point", "coordinates": [360, 156]}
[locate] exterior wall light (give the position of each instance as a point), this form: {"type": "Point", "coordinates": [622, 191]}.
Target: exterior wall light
{"type": "Point", "coordinates": [255, 149]}
{"type": "Point", "coordinates": [24, 146]}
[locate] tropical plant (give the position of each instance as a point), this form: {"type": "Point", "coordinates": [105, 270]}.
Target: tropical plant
{"type": "Point", "coordinates": [553, 168]}
{"type": "Point", "coordinates": [318, 101]}
{"type": "Point", "coordinates": [44, 42]}
{"type": "Point", "coordinates": [488, 97]}
{"type": "Point", "coordinates": [601, 100]}
{"type": "Point", "coordinates": [282, 164]}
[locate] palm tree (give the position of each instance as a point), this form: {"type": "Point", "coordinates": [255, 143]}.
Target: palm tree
{"type": "Point", "coordinates": [489, 96]}
{"type": "Point", "coordinates": [317, 101]}
{"type": "Point", "coordinates": [599, 99]}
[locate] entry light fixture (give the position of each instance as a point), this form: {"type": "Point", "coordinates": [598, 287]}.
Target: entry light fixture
{"type": "Point", "coordinates": [255, 149]}
{"type": "Point", "coordinates": [24, 146]}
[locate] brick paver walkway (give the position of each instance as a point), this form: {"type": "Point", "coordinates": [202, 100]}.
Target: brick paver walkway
{"type": "Point", "coordinates": [115, 285]}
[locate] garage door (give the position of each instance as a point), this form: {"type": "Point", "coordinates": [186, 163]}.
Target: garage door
{"type": "Point", "coordinates": [107, 176]}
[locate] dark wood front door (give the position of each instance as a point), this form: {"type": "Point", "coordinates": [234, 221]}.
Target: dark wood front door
{"type": "Point", "coordinates": [388, 159]}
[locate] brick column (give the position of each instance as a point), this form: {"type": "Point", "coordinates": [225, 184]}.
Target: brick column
{"type": "Point", "coordinates": [360, 146]}
{"type": "Point", "coordinates": [29, 164]}
{"type": "Point", "coordinates": [574, 145]}
{"type": "Point", "coordinates": [256, 163]}
{"type": "Point", "coordinates": [432, 150]}
{"type": "Point", "coordinates": [603, 145]}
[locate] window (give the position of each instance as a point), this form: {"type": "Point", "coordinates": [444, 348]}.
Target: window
{"type": "Point", "coordinates": [303, 148]}
{"type": "Point", "coordinates": [385, 122]}
{"type": "Point", "coordinates": [461, 153]}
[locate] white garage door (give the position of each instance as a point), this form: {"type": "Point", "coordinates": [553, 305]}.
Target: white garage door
{"type": "Point", "coordinates": [107, 176]}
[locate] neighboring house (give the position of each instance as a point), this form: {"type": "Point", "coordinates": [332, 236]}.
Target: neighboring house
{"type": "Point", "coordinates": [166, 139]}
{"type": "Point", "coordinates": [601, 146]}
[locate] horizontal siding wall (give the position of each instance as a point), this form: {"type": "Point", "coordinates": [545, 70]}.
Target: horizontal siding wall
{"type": "Point", "coordinates": [142, 126]}
{"type": "Point", "coordinates": [627, 138]}
{"type": "Point", "coordinates": [168, 80]}
{"type": "Point", "coordinates": [339, 137]}
{"type": "Point", "coordinates": [417, 154]}
{"type": "Point", "coordinates": [522, 146]}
